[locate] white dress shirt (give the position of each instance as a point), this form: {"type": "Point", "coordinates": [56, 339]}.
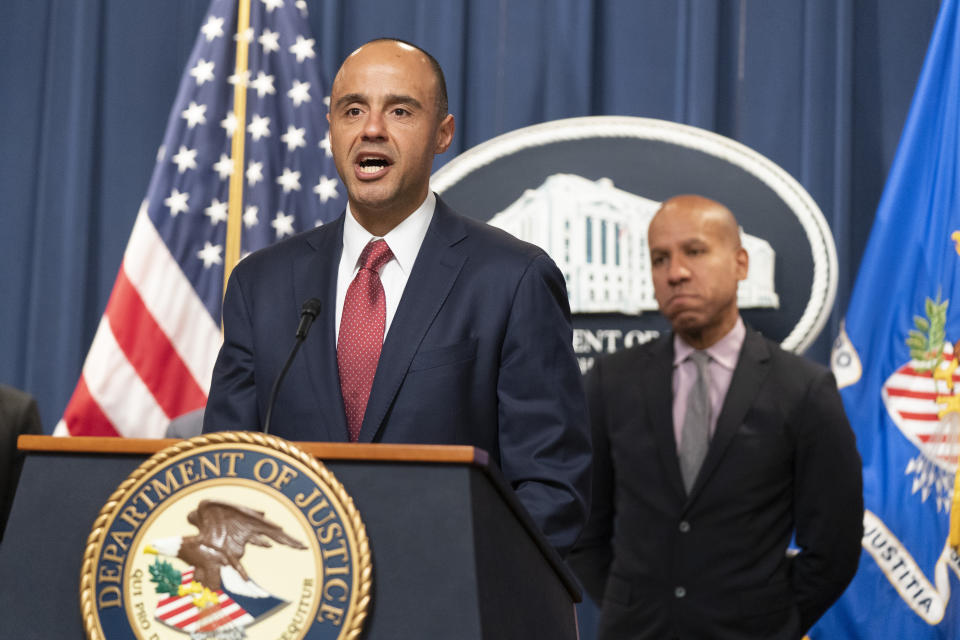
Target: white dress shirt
{"type": "Point", "coordinates": [404, 241]}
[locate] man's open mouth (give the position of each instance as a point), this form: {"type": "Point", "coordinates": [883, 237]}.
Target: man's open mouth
{"type": "Point", "coordinates": [372, 165]}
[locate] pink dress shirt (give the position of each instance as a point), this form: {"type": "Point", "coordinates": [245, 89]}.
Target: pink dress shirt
{"type": "Point", "coordinates": [723, 360]}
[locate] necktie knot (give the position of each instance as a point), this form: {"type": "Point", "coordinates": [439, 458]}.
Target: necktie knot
{"type": "Point", "coordinates": [701, 359]}
{"type": "Point", "coordinates": [376, 254]}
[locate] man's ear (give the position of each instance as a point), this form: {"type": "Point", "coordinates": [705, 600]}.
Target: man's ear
{"type": "Point", "coordinates": [743, 263]}
{"type": "Point", "coordinates": [444, 134]}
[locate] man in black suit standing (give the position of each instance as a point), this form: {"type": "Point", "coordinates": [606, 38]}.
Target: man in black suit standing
{"type": "Point", "coordinates": [713, 448]}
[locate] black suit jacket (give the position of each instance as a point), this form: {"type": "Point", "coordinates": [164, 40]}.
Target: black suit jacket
{"type": "Point", "coordinates": [479, 353]}
{"type": "Point", "coordinates": [18, 415]}
{"type": "Point", "coordinates": [713, 564]}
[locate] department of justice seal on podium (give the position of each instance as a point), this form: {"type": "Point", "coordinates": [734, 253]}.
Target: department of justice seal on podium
{"type": "Point", "coordinates": [223, 537]}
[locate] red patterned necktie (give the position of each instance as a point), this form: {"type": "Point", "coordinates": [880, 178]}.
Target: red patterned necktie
{"type": "Point", "coordinates": [361, 334]}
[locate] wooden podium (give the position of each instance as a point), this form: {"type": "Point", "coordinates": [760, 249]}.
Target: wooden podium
{"type": "Point", "coordinates": [455, 556]}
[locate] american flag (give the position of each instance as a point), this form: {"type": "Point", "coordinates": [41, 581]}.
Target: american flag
{"type": "Point", "coordinates": [154, 349]}
{"type": "Point", "coordinates": [182, 612]}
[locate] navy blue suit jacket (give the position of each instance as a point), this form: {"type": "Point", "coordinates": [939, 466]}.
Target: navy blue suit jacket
{"type": "Point", "coordinates": [479, 353]}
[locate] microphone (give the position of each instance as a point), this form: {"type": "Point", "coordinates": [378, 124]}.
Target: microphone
{"type": "Point", "coordinates": [308, 313]}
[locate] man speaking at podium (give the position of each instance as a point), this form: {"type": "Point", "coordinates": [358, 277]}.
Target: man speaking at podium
{"type": "Point", "coordinates": [432, 328]}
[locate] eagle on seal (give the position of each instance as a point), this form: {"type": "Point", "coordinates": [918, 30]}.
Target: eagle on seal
{"type": "Point", "coordinates": [224, 530]}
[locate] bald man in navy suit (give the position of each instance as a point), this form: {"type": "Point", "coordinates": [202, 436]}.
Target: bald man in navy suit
{"type": "Point", "coordinates": [476, 347]}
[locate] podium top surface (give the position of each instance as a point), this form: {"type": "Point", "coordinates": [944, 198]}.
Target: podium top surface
{"type": "Point", "coordinates": [323, 450]}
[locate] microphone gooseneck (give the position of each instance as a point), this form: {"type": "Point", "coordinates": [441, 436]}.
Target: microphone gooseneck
{"type": "Point", "coordinates": [308, 313]}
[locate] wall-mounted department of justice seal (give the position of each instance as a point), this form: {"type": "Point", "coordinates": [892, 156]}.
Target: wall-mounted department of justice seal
{"type": "Point", "coordinates": [585, 189]}
{"type": "Point", "coordinates": [223, 537]}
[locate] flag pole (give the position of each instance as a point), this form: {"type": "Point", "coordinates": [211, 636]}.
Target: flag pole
{"type": "Point", "coordinates": [234, 208]}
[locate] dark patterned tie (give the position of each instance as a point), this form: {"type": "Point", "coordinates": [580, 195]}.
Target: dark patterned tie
{"type": "Point", "coordinates": [361, 334]}
{"type": "Point", "coordinates": [695, 437]}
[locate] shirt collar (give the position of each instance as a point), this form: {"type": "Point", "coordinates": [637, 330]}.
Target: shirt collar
{"type": "Point", "coordinates": [404, 239]}
{"type": "Point", "coordinates": [724, 352]}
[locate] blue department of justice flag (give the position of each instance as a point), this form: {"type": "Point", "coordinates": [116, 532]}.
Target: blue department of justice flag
{"type": "Point", "coordinates": [896, 362]}
{"type": "Point", "coordinates": [154, 350]}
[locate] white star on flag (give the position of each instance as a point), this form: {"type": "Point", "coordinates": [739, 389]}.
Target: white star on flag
{"type": "Point", "coordinates": [210, 254]}
{"type": "Point", "coordinates": [300, 93]}
{"type": "Point", "coordinates": [243, 79]}
{"type": "Point", "coordinates": [254, 173]}
{"type": "Point", "coordinates": [194, 114]}
{"type": "Point", "coordinates": [246, 36]}
{"type": "Point", "coordinates": [229, 123]}
{"type": "Point", "coordinates": [202, 71]}
{"type": "Point", "coordinates": [250, 216]}
{"type": "Point", "coordinates": [283, 224]}
{"type": "Point", "coordinates": [272, 4]}
{"type": "Point", "coordinates": [223, 166]}
{"type": "Point", "coordinates": [259, 127]}
{"type": "Point", "coordinates": [326, 188]}
{"type": "Point", "coordinates": [289, 180]}
{"type": "Point", "coordinates": [217, 211]}
{"type": "Point", "coordinates": [177, 202]}
{"type": "Point", "coordinates": [185, 159]}
{"type": "Point", "coordinates": [213, 28]}
{"type": "Point", "coordinates": [263, 84]}
{"type": "Point", "coordinates": [303, 48]}
{"type": "Point", "coordinates": [294, 137]}
{"type": "Point", "coordinates": [302, 5]}
{"type": "Point", "coordinates": [325, 145]}
{"type": "Point", "coordinates": [269, 40]}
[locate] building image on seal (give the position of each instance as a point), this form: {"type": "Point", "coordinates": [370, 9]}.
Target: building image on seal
{"type": "Point", "coordinates": [597, 235]}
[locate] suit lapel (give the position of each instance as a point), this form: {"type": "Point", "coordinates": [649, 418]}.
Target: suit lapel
{"type": "Point", "coordinates": [752, 367]}
{"type": "Point", "coordinates": [316, 277]}
{"type": "Point", "coordinates": [657, 389]}
{"type": "Point", "coordinates": [436, 269]}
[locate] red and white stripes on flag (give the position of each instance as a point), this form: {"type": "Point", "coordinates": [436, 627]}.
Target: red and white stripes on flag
{"type": "Point", "coordinates": [916, 402]}
{"type": "Point", "coordinates": [153, 353]}
{"type": "Point", "coordinates": [181, 613]}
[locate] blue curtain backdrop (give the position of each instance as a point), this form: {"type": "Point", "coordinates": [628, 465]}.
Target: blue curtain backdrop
{"type": "Point", "coordinates": [821, 87]}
